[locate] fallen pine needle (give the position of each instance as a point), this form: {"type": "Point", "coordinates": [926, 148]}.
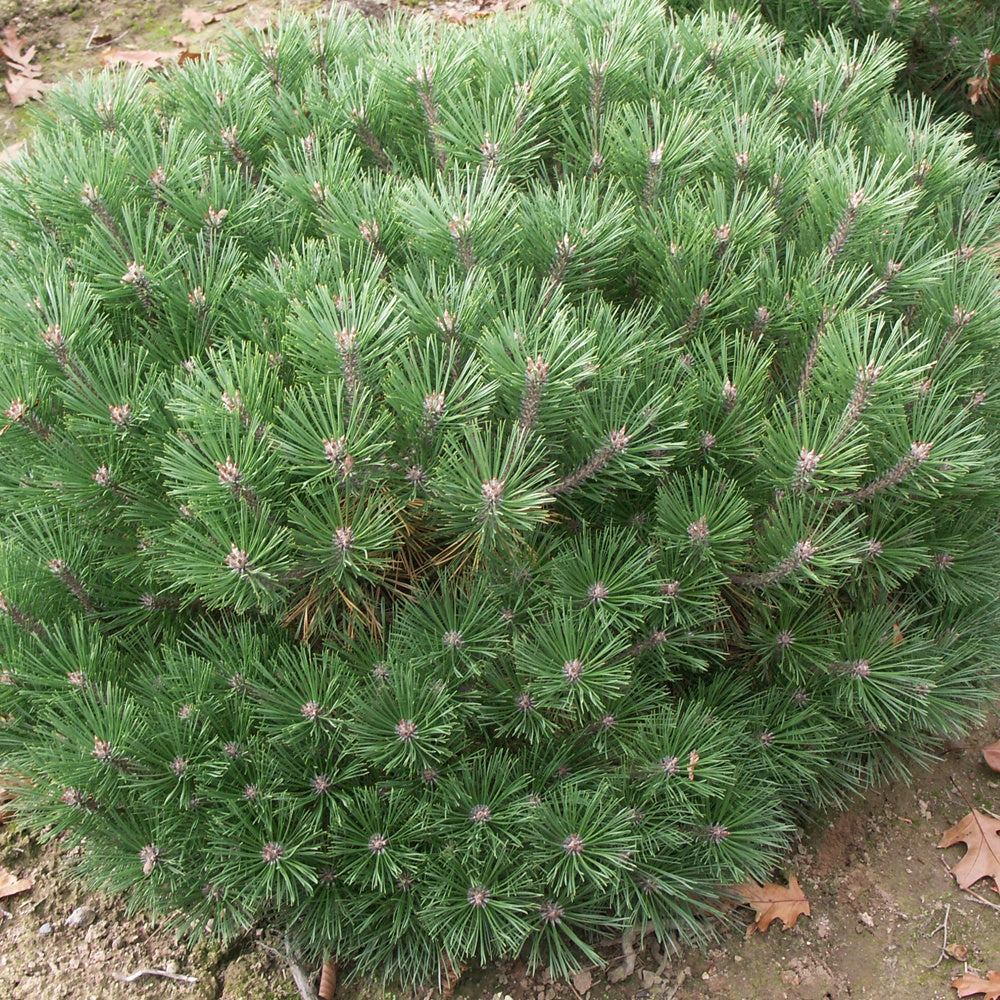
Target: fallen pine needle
{"type": "Point", "coordinates": [132, 977]}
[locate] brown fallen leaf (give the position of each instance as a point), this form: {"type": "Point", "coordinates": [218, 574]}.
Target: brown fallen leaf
{"type": "Point", "coordinates": [10, 885]}
{"type": "Point", "coordinates": [197, 20]}
{"type": "Point", "coordinates": [12, 49]}
{"type": "Point", "coordinates": [22, 83]}
{"type": "Point", "coordinates": [774, 902]}
{"type": "Point", "coordinates": [136, 57]}
{"type": "Point", "coordinates": [21, 89]}
{"type": "Point", "coordinates": [979, 86]}
{"type": "Point", "coordinates": [991, 755]}
{"type": "Point", "coordinates": [981, 835]}
{"type": "Point", "coordinates": [970, 985]}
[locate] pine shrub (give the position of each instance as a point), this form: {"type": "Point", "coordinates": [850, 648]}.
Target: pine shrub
{"type": "Point", "coordinates": [952, 47]}
{"type": "Point", "coordinates": [470, 491]}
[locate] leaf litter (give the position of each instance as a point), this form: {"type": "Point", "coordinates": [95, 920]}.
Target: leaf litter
{"type": "Point", "coordinates": [981, 835]}
{"type": "Point", "coordinates": [22, 82]}
{"type": "Point", "coordinates": [970, 985]}
{"type": "Point", "coordinates": [774, 902]}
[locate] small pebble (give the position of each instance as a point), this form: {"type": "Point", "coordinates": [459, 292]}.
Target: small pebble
{"type": "Point", "coordinates": [82, 916]}
{"type": "Point", "coordinates": [45, 929]}
{"type": "Point", "coordinates": [172, 967]}
{"type": "Point", "coordinates": [649, 979]}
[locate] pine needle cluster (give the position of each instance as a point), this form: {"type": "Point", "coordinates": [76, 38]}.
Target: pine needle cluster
{"type": "Point", "coordinates": [468, 491]}
{"type": "Point", "coordinates": [952, 47]}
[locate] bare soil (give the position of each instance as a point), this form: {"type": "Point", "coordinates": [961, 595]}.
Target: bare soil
{"type": "Point", "coordinates": [879, 889]}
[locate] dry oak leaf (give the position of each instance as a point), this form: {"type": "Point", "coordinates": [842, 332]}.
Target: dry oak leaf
{"type": "Point", "coordinates": [774, 902]}
{"type": "Point", "coordinates": [981, 835]}
{"type": "Point", "coordinates": [22, 84]}
{"type": "Point", "coordinates": [140, 57]}
{"type": "Point", "coordinates": [12, 49]}
{"type": "Point", "coordinates": [11, 885]}
{"type": "Point", "coordinates": [197, 20]}
{"type": "Point", "coordinates": [991, 755]}
{"type": "Point", "coordinates": [21, 89]}
{"type": "Point", "coordinates": [969, 985]}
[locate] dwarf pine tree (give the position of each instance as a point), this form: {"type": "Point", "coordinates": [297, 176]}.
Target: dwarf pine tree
{"type": "Point", "coordinates": [466, 491]}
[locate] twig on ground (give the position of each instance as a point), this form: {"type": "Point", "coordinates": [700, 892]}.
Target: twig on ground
{"type": "Point", "coordinates": [944, 864]}
{"type": "Point", "coordinates": [301, 978]}
{"type": "Point", "coordinates": [974, 895]}
{"type": "Point", "coordinates": [162, 973]}
{"type": "Point", "coordinates": [943, 926]}
{"type": "Point", "coordinates": [110, 41]}
{"type": "Point", "coordinates": [979, 899]}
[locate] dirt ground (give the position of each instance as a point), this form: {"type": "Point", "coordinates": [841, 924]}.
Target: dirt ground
{"type": "Point", "coordinates": [883, 902]}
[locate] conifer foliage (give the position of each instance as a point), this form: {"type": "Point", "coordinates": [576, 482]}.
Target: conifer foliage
{"type": "Point", "coordinates": [466, 491]}
{"type": "Point", "coordinates": [952, 47]}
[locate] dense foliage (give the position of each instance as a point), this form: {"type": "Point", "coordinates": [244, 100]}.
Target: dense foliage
{"type": "Point", "coordinates": [952, 47]}
{"type": "Point", "coordinates": [466, 491]}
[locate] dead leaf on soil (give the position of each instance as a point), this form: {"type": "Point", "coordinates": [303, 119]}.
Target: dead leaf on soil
{"type": "Point", "coordinates": [774, 902]}
{"type": "Point", "coordinates": [22, 83]}
{"type": "Point", "coordinates": [197, 20]}
{"type": "Point", "coordinates": [981, 835]}
{"type": "Point", "coordinates": [21, 89]}
{"type": "Point", "coordinates": [137, 57]}
{"type": "Point", "coordinates": [10, 885]}
{"type": "Point", "coordinates": [991, 755]}
{"type": "Point", "coordinates": [12, 49]}
{"type": "Point", "coordinates": [970, 985]}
